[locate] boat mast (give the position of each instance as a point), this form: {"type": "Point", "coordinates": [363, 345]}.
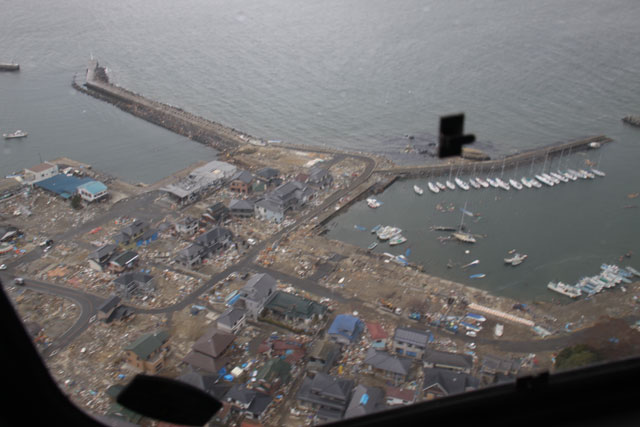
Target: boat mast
{"type": "Point", "coordinates": [462, 217]}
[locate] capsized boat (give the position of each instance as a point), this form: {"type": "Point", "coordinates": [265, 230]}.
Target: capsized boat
{"type": "Point", "coordinates": [434, 188]}
{"type": "Point", "coordinates": [516, 259]}
{"type": "Point", "coordinates": [418, 190]}
{"type": "Point", "coordinates": [17, 134]}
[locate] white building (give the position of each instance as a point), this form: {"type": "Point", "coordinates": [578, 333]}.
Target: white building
{"type": "Point", "coordinates": [92, 191]}
{"type": "Point", "coordinates": [40, 172]}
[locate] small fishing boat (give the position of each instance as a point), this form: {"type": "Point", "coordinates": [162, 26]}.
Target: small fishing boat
{"type": "Point", "coordinates": [418, 190]}
{"type": "Point", "coordinates": [499, 329]}
{"type": "Point", "coordinates": [475, 262]}
{"type": "Point", "coordinates": [477, 276]}
{"type": "Point", "coordinates": [502, 184]}
{"type": "Point", "coordinates": [372, 246]}
{"type": "Point", "coordinates": [397, 240]}
{"type": "Point", "coordinates": [492, 182]}
{"type": "Point", "coordinates": [373, 203]}
{"type": "Point", "coordinates": [462, 184]}
{"type": "Point", "coordinates": [516, 259]}
{"type": "Point", "coordinates": [526, 182]}
{"type": "Point", "coordinates": [433, 188]}
{"type": "Point", "coordinates": [441, 186]}
{"type": "Point", "coordinates": [598, 172]}
{"type": "Point", "coordinates": [559, 177]}
{"type": "Point", "coordinates": [474, 183]}
{"type": "Point", "coordinates": [376, 228]}
{"type": "Point", "coordinates": [482, 182]}
{"type": "Point", "coordinates": [515, 184]}
{"type": "Point", "coordinates": [450, 185]}
{"type": "Point", "coordinates": [16, 134]}
{"type": "Point", "coordinates": [360, 228]}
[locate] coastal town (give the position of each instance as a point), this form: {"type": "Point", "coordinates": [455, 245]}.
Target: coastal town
{"type": "Point", "coordinates": [220, 276]}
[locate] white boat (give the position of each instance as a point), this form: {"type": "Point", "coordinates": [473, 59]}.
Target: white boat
{"type": "Point", "coordinates": [502, 184]}
{"type": "Point", "coordinates": [373, 203]}
{"type": "Point", "coordinates": [440, 186]}
{"type": "Point", "coordinates": [526, 182]}
{"type": "Point", "coordinates": [464, 237]}
{"type": "Point", "coordinates": [579, 174]}
{"type": "Point", "coordinates": [418, 190]}
{"type": "Point", "coordinates": [434, 188]}
{"type": "Point", "coordinates": [550, 178]}
{"type": "Point", "coordinates": [534, 182]}
{"type": "Point", "coordinates": [450, 185]}
{"type": "Point", "coordinates": [482, 182]}
{"type": "Point", "coordinates": [544, 180]}
{"type": "Point", "coordinates": [598, 172]}
{"type": "Point", "coordinates": [559, 177]}
{"type": "Point", "coordinates": [474, 183]}
{"type": "Point", "coordinates": [564, 289]}
{"type": "Point", "coordinates": [17, 134]}
{"type": "Point", "coordinates": [372, 246]}
{"type": "Point", "coordinates": [587, 174]}
{"type": "Point", "coordinates": [516, 259]}
{"type": "Point", "coordinates": [594, 144]}
{"type": "Point", "coordinates": [499, 330]}
{"type": "Point", "coordinates": [570, 176]}
{"type": "Point", "coordinates": [461, 184]}
{"type": "Point", "coordinates": [492, 183]}
{"type": "Point", "coordinates": [515, 184]}
{"type": "Point", "coordinates": [387, 232]}
{"type": "Point", "coordinates": [397, 240]}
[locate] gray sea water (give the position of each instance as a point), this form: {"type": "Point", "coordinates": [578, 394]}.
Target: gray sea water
{"type": "Point", "coordinates": [356, 74]}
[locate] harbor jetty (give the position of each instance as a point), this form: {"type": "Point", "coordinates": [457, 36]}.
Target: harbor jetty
{"type": "Point", "coordinates": [9, 67]}
{"type": "Point", "coordinates": [632, 120]}
{"type": "Point", "coordinates": [172, 118]}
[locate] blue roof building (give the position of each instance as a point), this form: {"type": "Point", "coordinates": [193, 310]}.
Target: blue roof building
{"type": "Point", "coordinates": [345, 329]}
{"type": "Point", "coordinates": [62, 185]}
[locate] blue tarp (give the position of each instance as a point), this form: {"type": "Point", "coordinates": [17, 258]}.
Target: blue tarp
{"type": "Point", "coordinates": [62, 185]}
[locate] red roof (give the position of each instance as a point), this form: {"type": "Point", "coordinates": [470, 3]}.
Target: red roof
{"type": "Point", "coordinates": [400, 393]}
{"type": "Point", "coordinates": [376, 331]}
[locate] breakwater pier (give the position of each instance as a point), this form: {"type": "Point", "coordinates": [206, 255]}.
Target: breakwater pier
{"type": "Point", "coordinates": [172, 118]}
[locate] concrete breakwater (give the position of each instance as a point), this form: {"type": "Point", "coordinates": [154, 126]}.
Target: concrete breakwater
{"type": "Point", "coordinates": [510, 161]}
{"type": "Point", "coordinates": [174, 119]}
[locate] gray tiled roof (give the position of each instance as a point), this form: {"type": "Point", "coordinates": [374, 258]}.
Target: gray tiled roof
{"type": "Point", "coordinates": [451, 382]}
{"type": "Point", "coordinates": [243, 176]}
{"type": "Point", "coordinates": [463, 361]}
{"type": "Point", "coordinates": [236, 204]}
{"type": "Point", "coordinates": [102, 251]}
{"type": "Point", "coordinates": [109, 304]}
{"type": "Point", "coordinates": [386, 362]}
{"type": "Point", "coordinates": [365, 400]}
{"type": "Point", "coordinates": [412, 335]}
{"type": "Point", "coordinates": [332, 387]}
{"type": "Point", "coordinates": [230, 317]}
{"type": "Point", "coordinates": [258, 287]}
{"type": "Point", "coordinates": [213, 342]}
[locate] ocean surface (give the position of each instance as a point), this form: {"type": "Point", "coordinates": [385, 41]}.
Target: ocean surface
{"type": "Point", "coordinates": [356, 74]}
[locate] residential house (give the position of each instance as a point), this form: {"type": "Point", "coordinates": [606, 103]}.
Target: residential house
{"type": "Point", "coordinates": [388, 366]}
{"type": "Point", "coordinates": [251, 403]}
{"type": "Point", "coordinates": [320, 177]}
{"type": "Point", "coordinates": [186, 225]}
{"type": "Point", "coordinates": [377, 335]}
{"type": "Point", "coordinates": [148, 352]}
{"type": "Point", "coordinates": [125, 261]}
{"type": "Point", "coordinates": [345, 329]}
{"type": "Point", "coordinates": [445, 360]}
{"type": "Point", "coordinates": [289, 196]}
{"type": "Point", "coordinates": [134, 282]}
{"type": "Point", "coordinates": [214, 240]}
{"type": "Point", "coordinates": [99, 258]}
{"type": "Point", "coordinates": [399, 396]}
{"type": "Point", "coordinates": [302, 177]}
{"type": "Point", "coordinates": [231, 321]}
{"type": "Point", "coordinates": [289, 349]}
{"type": "Point", "coordinates": [273, 375]}
{"type": "Point", "coordinates": [269, 176]}
{"type": "Point", "coordinates": [199, 182]}
{"type": "Point", "coordinates": [131, 233]}
{"type": "Point", "coordinates": [295, 310]}
{"type": "Point", "coordinates": [108, 307]}
{"type": "Point", "coordinates": [208, 353]}
{"type": "Point", "coordinates": [241, 182]}
{"type": "Point", "coordinates": [241, 208]}
{"type": "Point", "coordinates": [494, 370]}
{"type": "Point", "coordinates": [191, 255]}
{"type": "Point", "coordinates": [93, 191]}
{"type": "Point", "coordinates": [410, 342]}
{"type": "Point", "coordinates": [365, 401]}
{"type": "Point", "coordinates": [255, 294]}
{"type": "Point", "coordinates": [40, 172]}
{"type": "Point", "coordinates": [444, 382]}
{"type": "Point", "coordinates": [329, 395]}
{"type": "Point", "coordinates": [323, 356]}
{"type": "Point", "coordinates": [216, 213]}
